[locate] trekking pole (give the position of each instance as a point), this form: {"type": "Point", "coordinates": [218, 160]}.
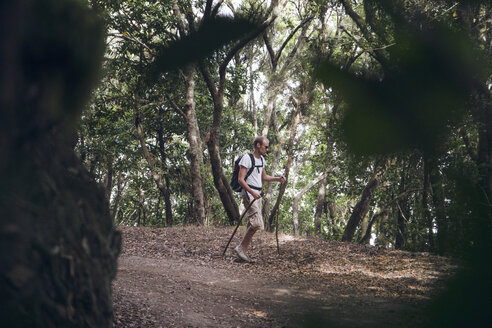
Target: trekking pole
{"type": "Point", "coordinates": [276, 232]}
{"type": "Point", "coordinates": [239, 223]}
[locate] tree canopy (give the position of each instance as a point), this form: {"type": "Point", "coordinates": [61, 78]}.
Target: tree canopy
{"type": "Point", "coordinates": [385, 101]}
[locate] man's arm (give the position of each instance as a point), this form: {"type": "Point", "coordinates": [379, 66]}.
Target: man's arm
{"type": "Point", "coordinates": [242, 182]}
{"type": "Point", "coordinates": [266, 177]}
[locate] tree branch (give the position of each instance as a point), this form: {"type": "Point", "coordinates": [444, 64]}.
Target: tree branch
{"type": "Point", "coordinates": [216, 8]}
{"type": "Point", "coordinates": [208, 9]}
{"type": "Point", "coordinates": [125, 37]}
{"type": "Point", "coordinates": [291, 35]}
{"type": "Point", "coordinates": [174, 106]}
{"type": "Point", "coordinates": [312, 183]}
{"type": "Point", "coordinates": [361, 24]}
{"type": "Point", "coordinates": [208, 79]}
{"type": "Point", "coordinates": [181, 25]}
{"type": "Point", "coordinates": [271, 52]}
{"type": "Point", "coordinates": [239, 45]}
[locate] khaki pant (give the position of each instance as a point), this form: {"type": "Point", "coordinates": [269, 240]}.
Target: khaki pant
{"type": "Point", "coordinates": [255, 218]}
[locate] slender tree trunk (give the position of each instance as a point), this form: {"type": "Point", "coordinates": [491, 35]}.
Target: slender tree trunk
{"type": "Point", "coordinates": [425, 205]}
{"type": "Point", "coordinates": [362, 206]}
{"type": "Point", "coordinates": [296, 118]}
{"type": "Point", "coordinates": [93, 163]}
{"type": "Point", "coordinates": [83, 152]}
{"type": "Point", "coordinates": [166, 194]}
{"type": "Point", "coordinates": [116, 202]}
{"type": "Point", "coordinates": [442, 242]}
{"type": "Point", "coordinates": [366, 238]}
{"type": "Point", "coordinates": [484, 160]}
{"type": "Point", "coordinates": [321, 199]}
{"type": "Point", "coordinates": [194, 140]}
{"type": "Point", "coordinates": [157, 210]}
{"type": "Point", "coordinates": [268, 113]}
{"type": "Point", "coordinates": [320, 204]}
{"type": "Point", "coordinates": [278, 78]}
{"type": "Point", "coordinates": [488, 124]}
{"type": "Point", "coordinates": [330, 212]}
{"type": "Point", "coordinates": [400, 241]}
{"type": "Point", "coordinates": [295, 202]}
{"type": "Point", "coordinates": [269, 194]}
{"type": "Point", "coordinates": [109, 180]}
{"type": "Point", "coordinates": [365, 224]}
{"type": "Point", "coordinates": [251, 100]}
{"type": "Point", "coordinates": [220, 181]}
{"type": "Point", "coordinates": [401, 234]}
{"type": "Point", "coordinates": [167, 204]}
{"type": "Point", "coordinates": [159, 179]}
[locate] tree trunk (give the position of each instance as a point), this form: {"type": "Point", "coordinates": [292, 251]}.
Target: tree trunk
{"type": "Point", "coordinates": [320, 204]}
{"type": "Point", "coordinates": [435, 178]}
{"type": "Point", "coordinates": [220, 181]}
{"type": "Point", "coordinates": [109, 179]}
{"type": "Point", "coordinates": [278, 79]}
{"type": "Point", "coordinates": [269, 194]}
{"type": "Point", "coordinates": [157, 210]}
{"type": "Point", "coordinates": [167, 194]}
{"type": "Point", "coordinates": [400, 241]}
{"type": "Point", "coordinates": [330, 211]}
{"type": "Point", "coordinates": [116, 201]}
{"type": "Point", "coordinates": [295, 202]}
{"type": "Point", "coordinates": [362, 206]}
{"type": "Point", "coordinates": [196, 158]}
{"type": "Point", "coordinates": [93, 163]}
{"type": "Point", "coordinates": [321, 199]}
{"type": "Point", "coordinates": [366, 238]}
{"type": "Point", "coordinates": [364, 226]}
{"type": "Point", "coordinates": [268, 113]}
{"type": "Point", "coordinates": [58, 244]}
{"type": "Point", "coordinates": [401, 234]}
{"type": "Point", "coordinates": [251, 98]}
{"type": "Point", "coordinates": [168, 209]}
{"type": "Point", "coordinates": [296, 118]}
{"type": "Point", "coordinates": [159, 178]}
{"type": "Point", "coordinates": [425, 205]}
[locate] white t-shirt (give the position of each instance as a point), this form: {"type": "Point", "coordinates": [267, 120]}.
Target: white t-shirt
{"type": "Point", "coordinates": [254, 178]}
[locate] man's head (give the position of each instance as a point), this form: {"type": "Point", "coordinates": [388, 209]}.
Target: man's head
{"type": "Point", "coordinates": [261, 144]}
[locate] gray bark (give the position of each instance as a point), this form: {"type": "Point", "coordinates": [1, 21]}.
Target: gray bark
{"type": "Point", "coordinates": [277, 78]}
{"type": "Point", "coordinates": [155, 167]}
{"type": "Point", "coordinates": [296, 118]}
{"type": "Point", "coordinates": [295, 202]}
{"type": "Point", "coordinates": [196, 157]}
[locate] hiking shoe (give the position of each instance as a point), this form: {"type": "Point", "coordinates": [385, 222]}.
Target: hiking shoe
{"type": "Point", "coordinates": [240, 253]}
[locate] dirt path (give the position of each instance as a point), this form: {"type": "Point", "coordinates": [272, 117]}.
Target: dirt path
{"type": "Point", "coordinates": [174, 278]}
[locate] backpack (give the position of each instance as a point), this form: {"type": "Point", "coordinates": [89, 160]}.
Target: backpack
{"type": "Point", "coordinates": [235, 174]}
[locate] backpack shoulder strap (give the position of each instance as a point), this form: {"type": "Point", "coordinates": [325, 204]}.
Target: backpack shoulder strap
{"type": "Point", "coordinates": [251, 168]}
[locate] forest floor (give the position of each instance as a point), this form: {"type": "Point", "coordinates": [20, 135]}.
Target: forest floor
{"type": "Point", "coordinates": [175, 277]}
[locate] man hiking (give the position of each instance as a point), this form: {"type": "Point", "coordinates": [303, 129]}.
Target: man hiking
{"type": "Point", "coordinates": [252, 189]}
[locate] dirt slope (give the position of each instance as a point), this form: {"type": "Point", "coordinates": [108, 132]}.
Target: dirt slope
{"type": "Point", "coordinates": [175, 277]}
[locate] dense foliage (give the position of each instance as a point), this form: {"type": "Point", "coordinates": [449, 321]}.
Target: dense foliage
{"type": "Point", "coordinates": [387, 99]}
